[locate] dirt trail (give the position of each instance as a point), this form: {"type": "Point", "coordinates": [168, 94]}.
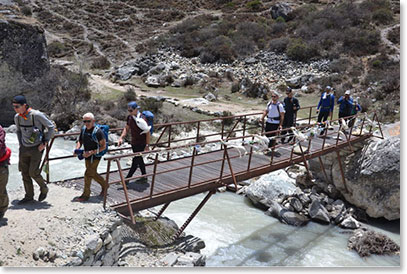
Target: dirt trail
{"type": "Point", "coordinates": [101, 85]}
{"type": "Point", "coordinates": [383, 34]}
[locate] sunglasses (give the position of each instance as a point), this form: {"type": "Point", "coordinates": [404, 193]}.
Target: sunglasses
{"type": "Point", "coordinates": [14, 106]}
{"type": "Point", "coordinates": [87, 121]}
{"type": "Point", "coordinates": [273, 96]}
{"type": "Point", "coordinates": [130, 110]}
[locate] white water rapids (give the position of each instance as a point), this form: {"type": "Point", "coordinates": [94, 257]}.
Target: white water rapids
{"type": "Point", "coordinates": [236, 233]}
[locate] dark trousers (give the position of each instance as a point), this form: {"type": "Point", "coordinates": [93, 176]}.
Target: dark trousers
{"type": "Point", "coordinates": [29, 165]}
{"type": "Point", "coordinates": [288, 122]}
{"type": "Point", "coordinates": [3, 190]}
{"type": "Point", "coordinates": [323, 116]}
{"type": "Point", "coordinates": [137, 161]}
{"type": "Point", "coordinates": [271, 127]}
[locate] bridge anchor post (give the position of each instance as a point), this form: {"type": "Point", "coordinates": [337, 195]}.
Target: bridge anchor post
{"type": "Point", "coordinates": [182, 228]}
{"type": "Point", "coordinates": [342, 172]}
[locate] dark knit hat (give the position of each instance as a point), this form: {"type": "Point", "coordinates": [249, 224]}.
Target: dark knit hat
{"type": "Point", "coordinates": [19, 99]}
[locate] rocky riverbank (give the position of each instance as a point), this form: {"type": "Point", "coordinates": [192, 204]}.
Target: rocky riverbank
{"type": "Point", "coordinates": [253, 77]}
{"type": "Point", "coordinates": [66, 233]}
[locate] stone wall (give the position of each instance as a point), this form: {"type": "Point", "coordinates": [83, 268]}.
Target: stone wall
{"type": "Point", "coordinates": [101, 248]}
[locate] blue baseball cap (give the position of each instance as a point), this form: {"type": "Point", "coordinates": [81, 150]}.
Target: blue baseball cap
{"type": "Point", "coordinates": [133, 105]}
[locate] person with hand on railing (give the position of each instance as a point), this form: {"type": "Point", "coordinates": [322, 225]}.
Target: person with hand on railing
{"type": "Point", "coordinates": [275, 117]}
{"type": "Point", "coordinates": [34, 130]}
{"type": "Point", "coordinates": [291, 106]}
{"type": "Point", "coordinates": [140, 139]}
{"type": "Point", "coordinates": [354, 110]}
{"type": "Point", "coordinates": [88, 138]}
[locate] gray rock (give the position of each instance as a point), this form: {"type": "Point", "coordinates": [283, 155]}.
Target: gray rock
{"type": "Point", "coordinates": [189, 258]}
{"type": "Point", "coordinates": [295, 204]}
{"type": "Point", "coordinates": [270, 187]}
{"type": "Point", "coordinates": [40, 251]}
{"type": "Point", "coordinates": [350, 223]}
{"type": "Point", "coordinates": [318, 212]}
{"type": "Point", "coordinates": [251, 60]}
{"type": "Point", "coordinates": [281, 10]}
{"type": "Point", "coordinates": [89, 260]}
{"type": "Point", "coordinates": [210, 97]}
{"type": "Point", "coordinates": [109, 259]}
{"type": "Point", "coordinates": [154, 81]}
{"type": "Point", "coordinates": [292, 218]}
{"type": "Point", "coordinates": [98, 263]}
{"type": "Point", "coordinates": [108, 239]}
{"type": "Point", "coordinates": [170, 259]}
{"type": "Point", "coordinates": [158, 69]}
{"type": "Point", "coordinates": [116, 233]}
{"type": "Point", "coordinates": [191, 244]}
{"type": "Point", "coordinates": [75, 262]}
{"type": "Point", "coordinates": [126, 72]}
{"type": "Point", "coordinates": [274, 210]}
{"type": "Point", "coordinates": [94, 243]}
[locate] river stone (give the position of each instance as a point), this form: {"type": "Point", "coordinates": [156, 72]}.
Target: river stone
{"type": "Point", "coordinates": [210, 97]}
{"type": "Point", "coordinates": [274, 210]}
{"type": "Point", "coordinates": [295, 204]}
{"type": "Point", "coordinates": [269, 187]}
{"type": "Point", "coordinates": [318, 212]}
{"type": "Point", "coordinates": [108, 239]}
{"type": "Point", "coordinates": [349, 222]}
{"type": "Point", "coordinates": [190, 244]}
{"type": "Point", "coordinates": [292, 218]}
{"type": "Point", "coordinates": [170, 259]}
{"type": "Point", "coordinates": [94, 243]}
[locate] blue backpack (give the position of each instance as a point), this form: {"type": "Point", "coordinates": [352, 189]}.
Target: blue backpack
{"type": "Point", "coordinates": [150, 119]}
{"type": "Point", "coordinates": [105, 130]}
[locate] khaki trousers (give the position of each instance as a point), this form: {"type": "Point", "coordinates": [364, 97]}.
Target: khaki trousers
{"type": "Point", "coordinates": [3, 190]}
{"type": "Point", "coordinates": [91, 173]}
{"type": "Point", "coordinates": [29, 165]}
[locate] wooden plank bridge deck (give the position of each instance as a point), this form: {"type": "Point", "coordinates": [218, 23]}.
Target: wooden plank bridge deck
{"type": "Point", "coordinates": [173, 185]}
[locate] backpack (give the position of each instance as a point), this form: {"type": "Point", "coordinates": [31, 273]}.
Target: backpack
{"type": "Point", "coordinates": [105, 130]}
{"type": "Point", "coordinates": [278, 109]}
{"type": "Point", "coordinates": [150, 119]}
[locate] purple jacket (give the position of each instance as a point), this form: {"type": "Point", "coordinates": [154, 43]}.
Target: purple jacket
{"type": "Point", "coordinates": [2, 143]}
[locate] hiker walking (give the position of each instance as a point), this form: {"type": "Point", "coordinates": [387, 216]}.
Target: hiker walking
{"type": "Point", "coordinates": [326, 105]}
{"type": "Point", "coordinates": [345, 105]}
{"type": "Point", "coordinates": [94, 142]}
{"type": "Point", "coordinates": [275, 117]}
{"type": "Point", "coordinates": [140, 139]}
{"type": "Point", "coordinates": [5, 154]}
{"type": "Point", "coordinates": [291, 106]}
{"type": "Point", "coordinates": [354, 110]}
{"type": "Point", "coordinates": [34, 130]}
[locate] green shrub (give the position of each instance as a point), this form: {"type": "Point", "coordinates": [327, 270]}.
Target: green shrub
{"type": "Point", "coordinates": [280, 20]}
{"type": "Point", "coordinates": [279, 45]}
{"type": "Point", "coordinates": [254, 5]}
{"type": "Point", "coordinates": [377, 63]}
{"type": "Point", "coordinates": [130, 94]}
{"type": "Point", "coordinates": [297, 49]}
{"type": "Point", "coordinates": [57, 49]}
{"type": "Point", "coordinates": [383, 16]}
{"type": "Point", "coordinates": [218, 49]}
{"type": "Point", "coordinates": [26, 10]}
{"type": "Point", "coordinates": [100, 62]}
{"type": "Point", "coordinates": [361, 42]}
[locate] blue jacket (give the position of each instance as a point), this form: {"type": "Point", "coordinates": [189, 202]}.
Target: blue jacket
{"type": "Point", "coordinates": [345, 106]}
{"type": "Point", "coordinates": [326, 104]}
{"type": "Point", "coordinates": [355, 109]}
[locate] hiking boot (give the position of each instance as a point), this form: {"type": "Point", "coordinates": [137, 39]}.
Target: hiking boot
{"type": "Point", "coordinates": [142, 180]}
{"type": "Point", "coordinates": [25, 200]}
{"type": "Point", "coordinates": [81, 199]}
{"type": "Point", "coordinates": [1, 215]}
{"type": "Point", "coordinates": [43, 195]}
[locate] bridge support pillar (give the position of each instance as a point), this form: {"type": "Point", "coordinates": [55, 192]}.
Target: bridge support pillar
{"type": "Point", "coordinates": [182, 228]}
{"type": "Point", "coordinates": [161, 211]}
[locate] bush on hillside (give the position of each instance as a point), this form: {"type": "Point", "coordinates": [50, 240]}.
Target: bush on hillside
{"type": "Point", "coordinates": [100, 62]}
{"type": "Point", "coordinates": [298, 50]}
{"type": "Point", "coordinates": [279, 45]}
{"type": "Point", "coordinates": [383, 16]}
{"type": "Point", "coordinates": [361, 42]}
{"type": "Point", "coordinates": [218, 49]}
{"type": "Point", "coordinates": [254, 5]}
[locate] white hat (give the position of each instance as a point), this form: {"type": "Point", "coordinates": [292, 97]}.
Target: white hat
{"type": "Point", "coordinates": [347, 92]}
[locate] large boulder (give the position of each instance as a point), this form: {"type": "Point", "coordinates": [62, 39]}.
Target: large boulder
{"type": "Point", "coordinates": [23, 62]}
{"type": "Point", "coordinates": [372, 176]}
{"type": "Point", "coordinates": [281, 10]}
{"type": "Point", "coordinates": [270, 187]}
{"type": "Point", "coordinates": [373, 179]}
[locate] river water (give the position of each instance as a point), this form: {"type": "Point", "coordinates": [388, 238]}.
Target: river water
{"type": "Point", "coordinates": [235, 232]}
